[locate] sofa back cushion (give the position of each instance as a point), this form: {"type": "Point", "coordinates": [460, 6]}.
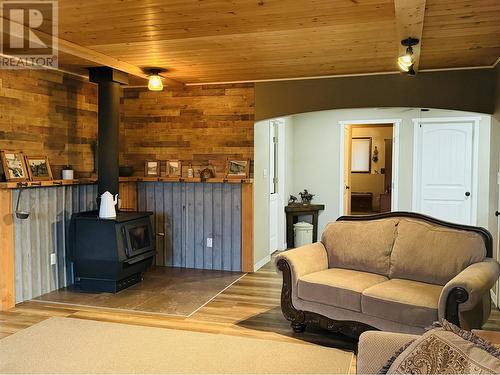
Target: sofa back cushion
{"type": "Point", "coordinates": [433, 253]}
{"type": "Point", "coordinates": [360, 245]}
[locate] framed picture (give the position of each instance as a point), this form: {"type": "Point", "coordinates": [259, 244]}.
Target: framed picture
{"type": "Point", "coordinates": [361, 155]}
{"type": "Point", "coordinates": [152, 168]}
{"type": "Point", "coordinates": [38, 168]}
{"type": "Point", "coordinates": [14, 166]}
{"type": "Point", "coordinates": [237, 168]}
{"type": "Point", "coordinates": [174, 168]}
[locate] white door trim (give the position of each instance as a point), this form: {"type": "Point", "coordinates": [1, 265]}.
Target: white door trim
{"type": "Point", "coordinates": [475, 157]}
{"type": "Point", "coordinates": [280, 174]}
{"type": "Point", "coordinates": [395, 158]}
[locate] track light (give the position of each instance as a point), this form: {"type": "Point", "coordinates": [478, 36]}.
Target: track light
{"type": "Point", "coordinates": [406, 61]}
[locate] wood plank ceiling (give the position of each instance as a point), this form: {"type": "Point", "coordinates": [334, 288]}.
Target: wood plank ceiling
{"type": "Point", "coordinates": [201, 41]}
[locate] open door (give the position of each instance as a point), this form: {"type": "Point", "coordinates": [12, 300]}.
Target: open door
{"type": "Point", "coordinates": [497, 257]}
{"type": "Point", "coordinates": [347, 169]}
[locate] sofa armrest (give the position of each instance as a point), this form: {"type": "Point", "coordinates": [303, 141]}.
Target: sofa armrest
{"type": "Point", "coordinates": [467, 289]}
{"type": "Point", "coordinates": [305, 260]}
{"type": "Point", "coordinates": [376, 348]}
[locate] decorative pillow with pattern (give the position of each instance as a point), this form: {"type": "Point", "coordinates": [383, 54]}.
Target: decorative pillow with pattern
{"type": "Point", "coordinates": [447, 350]}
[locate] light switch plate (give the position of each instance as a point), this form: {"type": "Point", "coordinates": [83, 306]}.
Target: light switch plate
{"type": "Point", "coordinates": [53, 259]}
{"type": "Point", "coordinates": [209, 242]}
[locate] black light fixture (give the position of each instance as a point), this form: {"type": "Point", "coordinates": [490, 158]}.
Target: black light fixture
{"type": "Point", "coordinates": [407, 61]}
{"type": "Point", "coordinates": [155, 82]}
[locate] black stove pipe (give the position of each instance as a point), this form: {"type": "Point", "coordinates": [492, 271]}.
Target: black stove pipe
{"type": "Point", "coordinates": [109, 81]}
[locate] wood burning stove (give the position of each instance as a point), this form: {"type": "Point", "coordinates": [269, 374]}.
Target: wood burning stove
{"type": "Point", "coordinates": [111, 254]}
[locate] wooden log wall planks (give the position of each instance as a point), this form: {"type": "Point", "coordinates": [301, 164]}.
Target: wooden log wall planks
{"type": "Point", "coordinates": [7, 295]}
{"type": "Point", "coordinates": [186, 214]}
{"type": "Point", "coordinates": [46, 232]}
{"type": "Point", "coordinates": [45, 112]}
{"type": "Point", "coordinates": [128, 196]}
{"type": "Point", "coordinates": [247, 228]}
{"type": "Point", "coordinates": [196, 124]}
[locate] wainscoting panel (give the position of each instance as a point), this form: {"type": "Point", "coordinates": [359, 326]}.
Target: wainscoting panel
{"type": "Point", "coordinates": [186, 214]}
{"type": "Point", "coordinates": [46, 232]}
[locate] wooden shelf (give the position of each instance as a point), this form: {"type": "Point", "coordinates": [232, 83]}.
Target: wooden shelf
{"type": "Point", "coordinates": [37, 184]}
{"type": "Point", "coordinates": [89, 181]}
{"type": "Point", "coordinates": [185, 179]}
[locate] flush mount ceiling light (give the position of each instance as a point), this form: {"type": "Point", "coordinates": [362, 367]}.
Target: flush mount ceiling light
{"type": "Point", "coordinates": [407, 61]}
{"type": "Point", "coordinates": [155, 82]}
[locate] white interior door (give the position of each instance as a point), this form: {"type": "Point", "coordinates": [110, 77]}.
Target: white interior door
{"type": "Point", "coordinates": [497, 214]}
{"type": "Point", "coordinates": [443, 169]}
{"type": "Point", "coordinates": [347, 169]}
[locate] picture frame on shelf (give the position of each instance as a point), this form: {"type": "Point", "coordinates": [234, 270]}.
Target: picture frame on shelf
{"type": "Point", "coordinates": [38, 168]}
{"type": "Point", "coordinates": [152, 168]}
{"type": "Point", "coordinates": [174, 168]}
{"type": "Point", "coordinates": [14, 166]}
{"type": "Point", "coordinates": [237, 168]}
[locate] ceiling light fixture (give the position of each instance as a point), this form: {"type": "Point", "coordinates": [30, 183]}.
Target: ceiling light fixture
{"type": "Point", "coordinates": [407, 61]}
{"type": "Point", "coordinates": [155, 82]}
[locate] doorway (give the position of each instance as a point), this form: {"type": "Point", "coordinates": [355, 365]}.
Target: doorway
{"type": "Point", "coordinates": [276, 188]}
{"type": "Point", "coordinates": [445, 168]}
{"type": "Point", "coordinates": [369, 166]}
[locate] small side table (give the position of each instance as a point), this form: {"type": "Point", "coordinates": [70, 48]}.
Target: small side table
{"type": "Point", "coordinates": [293, 211]}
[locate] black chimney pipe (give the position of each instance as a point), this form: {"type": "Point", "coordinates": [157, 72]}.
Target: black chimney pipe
{"type": "Point", "coordinates": [109, 81]}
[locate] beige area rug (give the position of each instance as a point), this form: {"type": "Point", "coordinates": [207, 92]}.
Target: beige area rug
{"type": "Point", "coordinates": [65, 345]}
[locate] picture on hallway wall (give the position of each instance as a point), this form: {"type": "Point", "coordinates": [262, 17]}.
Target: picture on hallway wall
{"type": "Point", "coordinates": [152, 168]}
{"type": "Point", "coordinates": [38, 168]}
{"type": "Point", "coordinates": [13, 166]}
{"type": "Point", "coordinates": [237, 168]}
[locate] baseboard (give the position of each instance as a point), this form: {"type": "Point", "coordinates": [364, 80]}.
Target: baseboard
{"type": "Point", "coordinates": [261, 263]}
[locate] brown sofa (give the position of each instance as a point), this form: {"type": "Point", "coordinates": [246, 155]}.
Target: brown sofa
{"type": "Point", "coordinates": [396, 271]}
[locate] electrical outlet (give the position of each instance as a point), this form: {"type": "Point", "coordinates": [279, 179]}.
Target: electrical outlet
{"type": "Point", "coordinates": [209, 242]}
{"type": "Point", "coordinates": [53, 259]}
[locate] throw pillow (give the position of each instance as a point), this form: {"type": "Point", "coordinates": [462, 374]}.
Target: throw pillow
{"type": "Point", "coordinates": [446, 349]}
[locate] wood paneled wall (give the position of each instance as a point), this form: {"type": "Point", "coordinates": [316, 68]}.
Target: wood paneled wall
{"type": "Point", "coordinates": [45, 112]}
{"type": "Point", "coordinates": [51, 113]}
{"type": "Point", "coordinates": [186, 214]}
{"type": "Point", "coordinates": [196, 124]}
{"type": "Point", "coordinates": [46, 231]}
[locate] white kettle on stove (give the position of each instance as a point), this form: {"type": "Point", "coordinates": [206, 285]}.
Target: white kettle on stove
{"type": "Point", "coordinates": [107, 209]}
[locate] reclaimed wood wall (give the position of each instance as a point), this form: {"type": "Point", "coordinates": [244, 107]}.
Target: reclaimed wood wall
{"type": "Point", "coordinates": [45, 232]}
{"type": "Point", "coordinates": [44, 112]}
{"type": "Point", "coordinates": [195, 124]}
{"type": "Point", "coordinates": [51, 113]}
{"type": "Point", "coordinates": [186, 214]}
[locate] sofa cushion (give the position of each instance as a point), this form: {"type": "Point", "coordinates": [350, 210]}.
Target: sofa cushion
{"type": "Point", "coordinates": [360, 245]}
{"type": "Point", "coordinates": [404, 301]}
{"type": "Point", "coordinates": [432, 253]}
{"type": "Point", "coordinates": [337, 287]}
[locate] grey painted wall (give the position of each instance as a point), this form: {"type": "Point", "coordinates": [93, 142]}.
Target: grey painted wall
{"type": "Point", "coordinates": [46, 232]}
{"type": "Point", "coordinates": [188, 214]}
{"type": "Point", "coordinates": [466, 90]}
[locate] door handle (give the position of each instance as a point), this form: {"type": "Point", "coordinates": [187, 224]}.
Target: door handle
{"type": "Point", "coordinates": [347, 187]}
{"type": "Point", "coordinates": [497, 213]}
{"type": "Point", "coordinates": [467, 193]}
